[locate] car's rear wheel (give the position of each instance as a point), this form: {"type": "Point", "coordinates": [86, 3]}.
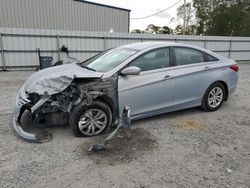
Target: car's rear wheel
{"type": "Point", "coordinates": [214, 97]}
{"type": "Point", "coordinates": [90, 121]}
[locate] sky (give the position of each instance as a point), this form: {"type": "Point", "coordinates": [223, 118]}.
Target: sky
{"type": "Point", "coordinates": [144, 8]}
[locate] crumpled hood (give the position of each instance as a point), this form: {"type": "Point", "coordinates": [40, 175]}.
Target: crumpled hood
{"type": "Point", "coordinates": [56, 79]}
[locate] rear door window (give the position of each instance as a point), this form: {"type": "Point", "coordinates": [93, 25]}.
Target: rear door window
{"type": "Point", "coordinates": [185, 56]}
{"type": "Point", "coordinates": [211, 58]}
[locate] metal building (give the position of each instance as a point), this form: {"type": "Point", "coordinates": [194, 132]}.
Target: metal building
{"type": "Point", "coordinates": [63, 15]}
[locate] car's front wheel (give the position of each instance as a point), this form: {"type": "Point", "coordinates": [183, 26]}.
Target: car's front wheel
{"type": "Point", "coordinates": [90, 121]}
{"type": "Point", "coordinates": [214, 97]}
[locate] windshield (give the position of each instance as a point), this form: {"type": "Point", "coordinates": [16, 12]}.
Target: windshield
{"type": "Point", "coordinates": [108, 60]}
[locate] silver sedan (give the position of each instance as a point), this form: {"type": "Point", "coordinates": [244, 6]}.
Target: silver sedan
{"type": "Point", "coordinates": [150, 77]}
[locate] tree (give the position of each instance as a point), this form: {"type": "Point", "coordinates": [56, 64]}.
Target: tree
{"type": "Point", "coordinates": [246, 28]}
{"type": "Point", "coordinates": [190, 30]}
{"type": "Point", "coordinates": [189, 21]}
{"type": "Point", "coordinates": [136, 31]}
{"type": "Point", "coordinates": [189, 13]}
{"type": "Point", "coordinates": [165, 30]}
{"type": "Point", "coordinates": [222, 17]}
{"type": "Point", "coordinates": [178, 30]}
{"type": "Point", "coordinates": [153, 29]}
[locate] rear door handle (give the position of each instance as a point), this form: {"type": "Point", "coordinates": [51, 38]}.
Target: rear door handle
{"type": "Point", "coordinates": [167, 77]}
{"type": "Point", "coordinates": [207, 68]}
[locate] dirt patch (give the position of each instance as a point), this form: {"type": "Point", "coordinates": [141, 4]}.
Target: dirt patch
{"type": "Point", "coordinates": [190, 124]}
{"type": "Point", "coordinates": [121, 149]}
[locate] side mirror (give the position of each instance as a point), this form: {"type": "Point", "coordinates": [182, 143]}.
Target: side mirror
{"type": "Point", "coordinates": [133, 70]}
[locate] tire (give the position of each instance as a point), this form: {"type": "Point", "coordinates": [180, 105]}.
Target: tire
{"type": "Point", "coordinates": [217, 89]}
{"type": "Point", "coordinates": [90, 125]}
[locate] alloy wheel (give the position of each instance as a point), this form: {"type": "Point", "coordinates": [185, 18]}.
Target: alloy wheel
{"type": "Point", "coordinates": [215, 97]}
{"type": "Point", "coordinates": [92, 122]}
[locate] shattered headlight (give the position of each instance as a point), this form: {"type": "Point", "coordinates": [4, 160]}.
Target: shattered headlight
{"type": "Point", "coordinates": [22, 97]}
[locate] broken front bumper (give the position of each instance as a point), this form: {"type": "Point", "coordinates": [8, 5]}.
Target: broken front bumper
{"type": "Point", "coordinates": [21, 105]}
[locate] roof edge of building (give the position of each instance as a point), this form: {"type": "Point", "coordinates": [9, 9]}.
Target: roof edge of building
{"type": "Point", "coordinates": [103, 5]}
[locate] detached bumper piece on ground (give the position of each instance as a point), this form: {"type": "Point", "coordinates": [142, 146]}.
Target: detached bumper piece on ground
{"type": "Point", "coordinates": [125, 123]}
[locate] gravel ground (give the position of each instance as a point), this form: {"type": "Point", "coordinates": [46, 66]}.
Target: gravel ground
{"type": "Point", "coordinates": [189, 148]}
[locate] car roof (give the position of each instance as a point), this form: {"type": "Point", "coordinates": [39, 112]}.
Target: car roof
{"type": "Point", "coordinates": [147, 45]}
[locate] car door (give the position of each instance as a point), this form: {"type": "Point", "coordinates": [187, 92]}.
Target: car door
{"type": "Point", "coordinates": [150, 92]}
{"type": "Point", "coordinates": [191, 77]}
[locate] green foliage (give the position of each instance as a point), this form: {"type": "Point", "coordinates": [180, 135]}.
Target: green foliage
{"type": "Point", "coordinates": [246, 28]}
{"type": "Point", "coordinates": [136, 31]}
{"type": "Point", "coordinates": [190, 30]}
{"type": "Point", "coordinates": [223, 17]}
{"type": "Point", "coordinates": [153, 29]}
{"type": "Point", "coordinates": [209, 17]}
{"type": "Point", "coordinates": [189, 13]}
{"type": "Point", "coordinates": [190, 22]}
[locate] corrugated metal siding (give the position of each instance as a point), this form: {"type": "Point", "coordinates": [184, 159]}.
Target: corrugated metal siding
{"type": "Point", "coordinates": [62, 15]}
{"type": "Point", "coordinates": [19, 49]}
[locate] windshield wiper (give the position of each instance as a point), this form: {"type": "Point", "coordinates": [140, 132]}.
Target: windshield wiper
{"type": "Point", "coordinates": [88, 68]}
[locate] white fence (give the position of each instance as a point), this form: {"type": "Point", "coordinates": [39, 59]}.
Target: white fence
{"type": "Point", "coordinates": [18, 46]}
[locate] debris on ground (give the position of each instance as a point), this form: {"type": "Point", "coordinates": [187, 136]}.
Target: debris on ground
{"type": "Point", "coordinates": [125, 124]}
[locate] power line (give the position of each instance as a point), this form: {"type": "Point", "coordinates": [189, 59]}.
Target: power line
{"type": "Point", "coordinates": [157, 12]}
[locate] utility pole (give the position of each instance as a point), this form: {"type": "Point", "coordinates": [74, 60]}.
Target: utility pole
{"type": "Point", "coordinates": [184, 19]}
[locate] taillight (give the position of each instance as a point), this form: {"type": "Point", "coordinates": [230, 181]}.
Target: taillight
{"type": "Point", "coordinates": [235, 68]}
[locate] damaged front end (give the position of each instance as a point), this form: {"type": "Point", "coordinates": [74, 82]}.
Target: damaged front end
{"type": "Point", "coordinates": [49, 102]}
{"type": "Point", "coordinates": [22, 104]}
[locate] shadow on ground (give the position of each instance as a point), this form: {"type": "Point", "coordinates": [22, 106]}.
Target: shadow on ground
{"type": "Point", "coordinates": [121, 149]}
